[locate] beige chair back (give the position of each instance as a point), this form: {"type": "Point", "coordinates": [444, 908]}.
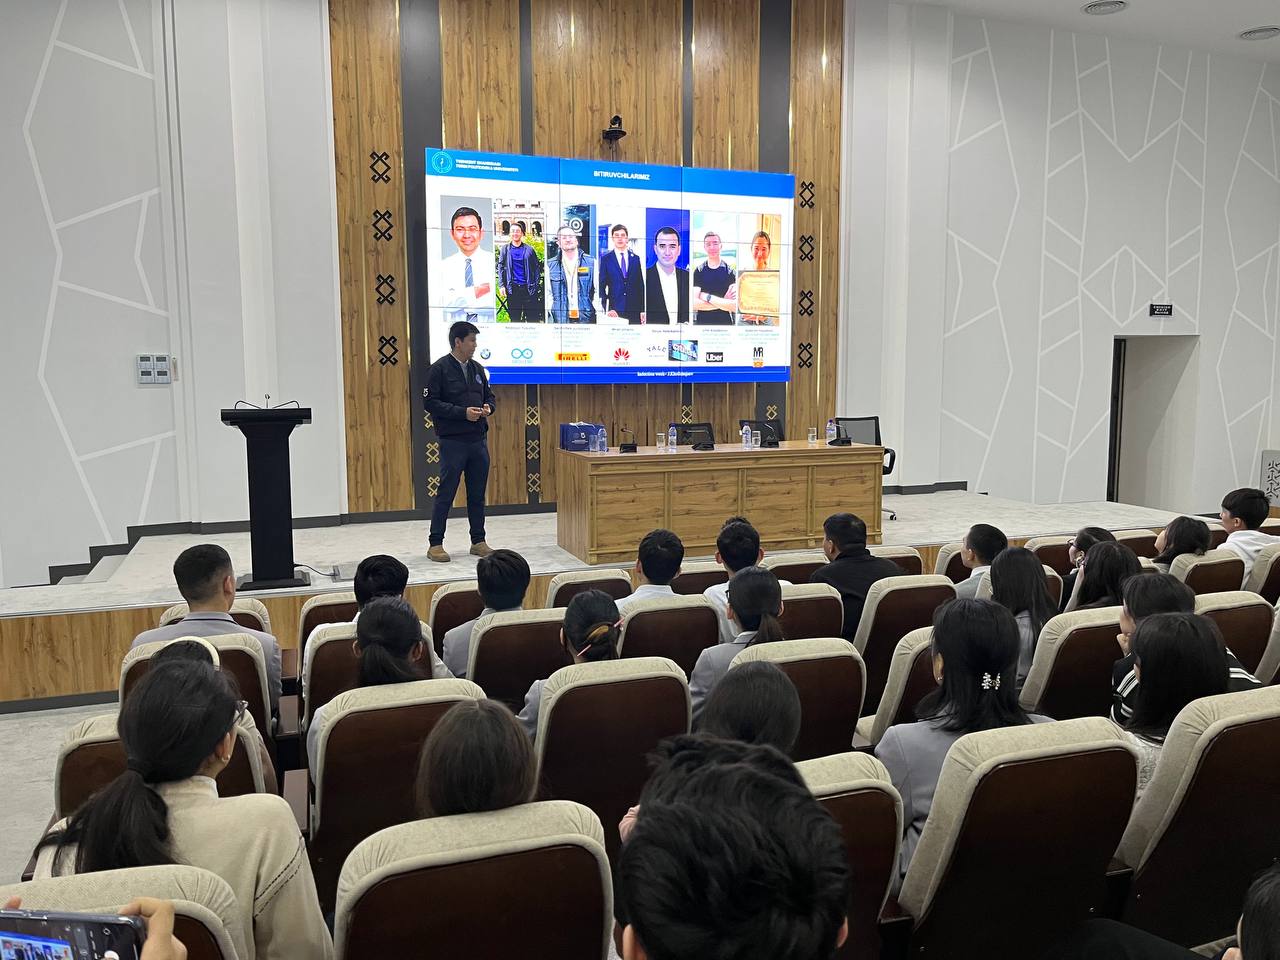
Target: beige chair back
{"type": "Point", "coordinates": [1264, 578]}
{"type": "Point", "coordinates": [245, 611]}
{"type": "Point", "coordinates": [338, 607]}
{"type": "Point", "coordinates": [1246, 621]}
{"type": "Point", "coordinates": [208, 920]}
{"type": "Point", "coordinates": [452, 605]}
{"type": "Point", "coordinates": [1070, 673]}
{"type": "Point", "coordinates": [1017, 812]}
{"type": "Point", "coordinates": [432, 887]}
{"type": "Point", "coordinates": [811, 610]}
{"type": "Point", "coordinates": [1214, 572]}
{"type": "Point", "coordinates": [510, 650]}
{"type": "Point", "coordinates": [565, 586]}
{"type": "Point", "coordinates": [910, 681]}
{"type": "Point", "coordinates": [795, 567]}
{"type": "Point", "coordinates": [696, 576]}
{"type": "Point", "coordinates": [1052, 552]}
{"type": "Point", "coordinates": [894, 608]}
{"type": "Point", "coordinates": [1141, 542]}
{"type": "Point", "coordinates": [908, 558]}
{"type": "Point", "coordinates": [949, 564]}
{"type": "Point", "coordinates": [855, 788]}
{"type": "Point", "coordinates": [1209, 812]}
{"type": "Point", "coordinates": [332, 666]}
{"type": "Point", "coordinates": [678, 628]}
{"type": "Point", "coordinates": [830, 678]}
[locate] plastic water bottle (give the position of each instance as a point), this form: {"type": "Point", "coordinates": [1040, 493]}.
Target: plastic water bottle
{"type": "Point", "coordinates": [671, 438]}
{"type": "Point", "coordinates": [604, 440]}
{"type": "Point", "coordinates": [831, 431]}
{"type": "Point", "coordinates": [746, 436]}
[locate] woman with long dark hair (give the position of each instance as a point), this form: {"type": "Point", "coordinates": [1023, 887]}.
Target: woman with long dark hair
{"type": "Point", "coordinates": [1182, 535]}
{"type": "Point", "coordinates": [477, 758]}
{"type": "Point", "coordinates": [975, 663]}
{"type": "Point", "coordinates": [1019, 584]}
{"type": "Point", "coordinates": [755, 604]}
{"type": "Point", "coordinates": [1077, 547]}
{"type": "Point", "coordinates": [592, 627]}
{"type": "Point", "coordinates": [177, 728]}
{"type": "Point", "coordinates": [1105, 568]}
{"type": "Point", "coordinates": [389, 648]}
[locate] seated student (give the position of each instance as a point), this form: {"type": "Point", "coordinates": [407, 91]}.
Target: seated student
{"type": "Point", "coordinates": [390, 649]}
{"type": "Point", "coordinates": [207, 582]}
{"type": "Point", "coordinates": [755, 703]}
{"type": "Point", "coordinates": [202, 651]}
{"type": "Point", "coordinates": [1102, 573]}
{"type": "Point", "coordinates": [851, 567]}
{"type": "Point", "coordinates": [503, 579]}
{"type": "Point", "coordinates": [476, 758]}
{"type": "Point", "coordinates": [1178, 657]}
{"type": "Point", "coordinates": [975, 662]}
{"type": "Point", "coordinates": [1018, 584]}
{"type": "Point", "coordinates": [982, 544]}
{"type": "Point", "coordinates": [1243, 513]}
{"type": "Point", "coordinates": [379, 575]}
{"type": "Point", "coordinates": [1257, 933]}
{"type": "Point", "coordinates": [657, 564]}
{"type": "Point", "coordinates": [755, 603]}
{"type": "Point", "coordinates": [784, 891]}
{"type": "Point", "coordinates": [176, 728]}
{"type": "Point", "coordinates": [737, 547]}
{"type": "Point", "coordinates": [1077, 547]}
{"type": "Point", "coordinates": [591, 630]}
{"type": "Point", "coordinates": [1182, 535]}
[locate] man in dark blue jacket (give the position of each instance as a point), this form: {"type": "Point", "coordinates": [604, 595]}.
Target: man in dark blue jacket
{"type": "Point", "coordinates": [853, 568]}
{"type": "Point", "coordinates": [460, 402]}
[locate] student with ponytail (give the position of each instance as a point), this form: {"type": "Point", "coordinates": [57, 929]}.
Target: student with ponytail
{"type": "Point", "coordinates": [390, 649]}
{"type": "Point", "coordinates": [755, 604]}
{"type": "Point", "coordinates": [177, 728]}
{"type": "Point", "coordinates": [975, 664]}
{"type": "Point", "coordinates": [592, 626]}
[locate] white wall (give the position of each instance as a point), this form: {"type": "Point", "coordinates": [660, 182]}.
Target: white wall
{"type": "Point", "coordinates": [151, 205]}
{"type": "Point", "coordinates": [1015, 197]}
{"type": "Point", "coordinates": [1158, 420]}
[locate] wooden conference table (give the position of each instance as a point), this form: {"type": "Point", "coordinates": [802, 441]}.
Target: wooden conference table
{"type": "Point", "coordinates": [608, 501]}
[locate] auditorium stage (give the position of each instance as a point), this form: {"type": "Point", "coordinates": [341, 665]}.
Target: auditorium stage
{"type": "Point", "coordinates": [144, 577]}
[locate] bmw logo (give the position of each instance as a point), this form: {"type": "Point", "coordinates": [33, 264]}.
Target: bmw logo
{"type": "Point", "coordinates": [441, 162]}
{"type": "Point", "coordinates": [485, 354]}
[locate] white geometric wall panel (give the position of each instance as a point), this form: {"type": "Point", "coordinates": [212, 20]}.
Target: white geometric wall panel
{"type": "Point", "coordinates": [1088, 178]}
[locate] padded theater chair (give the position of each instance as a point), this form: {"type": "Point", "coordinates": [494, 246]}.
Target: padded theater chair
{"type": "Point", "coordinates": [531, 881]}
{"type": "Point", "coordinates": [207, 919]}
{"type": "Point", "coordinates": [1216, 571]}
{"type": "Point", "coordinates": [1141, 542]}
{"type": "Point", "coordinates": [565, 586]}
{"type": "Point", "coordinates": [1025, 818]}
{"type": "Point", "coordinates": [452, 605]}
{"type": "Point", "coordinates": [1246, 621]}
{"type": "Point", "coordinates": [894, 608]}
{"type": "Point", "coordinates": [908, 558]}
{"type": "Point", "coordinates": [340, 607]}
{"type": "Point", "coordinates": [367, 765]}
{"type": "Point", "coordinates": [678, 628]}
{"type": "Point", "coordinates": [510, 650]}
{"type": "Point", "coordinates": [598, 724]}
{"type": "Point", "coordinates": [91, 757]}
{"type": "Point", "coordinates": [245, 611]}
{"type": "Point", "coordinates": [1264, 578]}
{"type": "Point", "coordinates": [811, 610]}
{"type": "Point", "coordinates": [1053, 583]}
{"type": "Point", "coordinates": [855, 788]}
{"type": "Point", "coordinates": [795, 567]}
{"type": "Point", "coordinates": [910, 681]}
{"type": "Point", "coordinates": [950, 565]}
{"type": "Point", "coordinates": [239, 654]}
{"type": "Point", "coordinates": [1052, 552]}
{"type": "Point", "coordinates": [333, 667]}
{"type": "Point", "coordinates": [830, 679]}
{"type": "Point", "coordinates": [695, 577]}
{"type": "Point", "coordinates": [1217, 533]}
{"type": "Point", "coordinates": [1206, 824]}
{"type": "Point", "coordinates": [1070, 673]}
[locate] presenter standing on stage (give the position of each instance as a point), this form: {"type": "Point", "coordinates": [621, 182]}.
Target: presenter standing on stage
{"type": "Point", "coordinates": [460, 402]}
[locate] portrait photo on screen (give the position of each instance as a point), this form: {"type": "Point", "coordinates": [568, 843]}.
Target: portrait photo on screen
{"type": "Point", "coordinates": [714, 262]}
{"type": "Point", "coordinates": [759, 277]}
{"type": "Point", "coordinates": [465, 274]}
{"type": "Point", "coordinates": [666, 277]}
{"type": "Point", "coordinates": [520, 250]}
{"type": "Point", "coordinates": [571, 269]}
{"type": "Point", "coordinates": [620, 243]}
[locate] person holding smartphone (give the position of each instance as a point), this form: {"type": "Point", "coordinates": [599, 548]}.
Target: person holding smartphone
{"type": "Point", "coordinates": [158, 919]}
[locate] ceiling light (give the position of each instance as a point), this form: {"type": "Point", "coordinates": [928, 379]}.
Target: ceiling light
{"type": "Point", "coordinates": [1100, 8]}
{"type": "Point", "coordinates": [1261, 33]}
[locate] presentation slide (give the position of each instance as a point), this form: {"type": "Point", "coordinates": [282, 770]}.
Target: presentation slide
{"type": "Point", "coordinates": [585, 271]}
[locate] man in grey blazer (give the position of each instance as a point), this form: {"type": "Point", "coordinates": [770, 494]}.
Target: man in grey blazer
{"type": "Point", "coordinates": [981, 544]}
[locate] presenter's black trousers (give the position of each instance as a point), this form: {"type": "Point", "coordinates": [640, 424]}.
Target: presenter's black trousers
{"type": "Point", "coordinates": [459, 458]}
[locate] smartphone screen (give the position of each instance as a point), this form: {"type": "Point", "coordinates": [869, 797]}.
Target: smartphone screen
{"type": "Point", "coordinates": [34, 935]}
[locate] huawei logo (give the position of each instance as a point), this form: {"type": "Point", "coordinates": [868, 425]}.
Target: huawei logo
{"type": "Point", "coordinates": [621, 355]}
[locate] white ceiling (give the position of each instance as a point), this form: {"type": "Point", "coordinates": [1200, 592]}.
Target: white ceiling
{"type": "Point", "coordinates": [1203, 24]}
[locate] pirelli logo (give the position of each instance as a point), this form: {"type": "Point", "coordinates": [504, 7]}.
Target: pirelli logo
{"type": "Point", "coordinates": [573, 357]}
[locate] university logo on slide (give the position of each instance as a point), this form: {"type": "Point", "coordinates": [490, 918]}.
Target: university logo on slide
{"type": "Point", "coordinates": [622, 355]}
{"type": "Point", "coordinates": [757, 356]}
{"type": "Point", "coordinates": [441, 162]}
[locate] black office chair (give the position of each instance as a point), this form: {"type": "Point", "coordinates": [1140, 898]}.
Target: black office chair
{"type": "Point", "coordinates": [770, 430]}
{"type": "Point", "coordinates": [867, 430]}
{"type": "Point", "coordinates": [688, 434]}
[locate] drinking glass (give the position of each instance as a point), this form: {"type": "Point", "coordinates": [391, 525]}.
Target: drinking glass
{"type": "Point", "coordinates": [755, 439]}
{"type": "Point", "coordinates": [813, 434]}
{"type": "Point", "coordinates": [661, 444]}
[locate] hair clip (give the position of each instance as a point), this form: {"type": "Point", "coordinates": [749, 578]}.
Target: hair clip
{"type": "Point", "coordinates": [989, 682]}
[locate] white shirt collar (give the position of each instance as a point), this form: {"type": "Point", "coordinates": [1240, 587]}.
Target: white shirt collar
{"type": "Point", "coordinates": [979, 571]}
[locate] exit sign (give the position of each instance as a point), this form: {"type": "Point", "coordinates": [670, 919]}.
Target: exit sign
{"type": "Point", "coordinates": [1161, 310]}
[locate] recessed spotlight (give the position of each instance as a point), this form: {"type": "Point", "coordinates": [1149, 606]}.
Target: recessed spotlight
{"type": "Point", "coordinates": [1100, 8]}
{"type": "Point", "coordinates": [1261, 33]}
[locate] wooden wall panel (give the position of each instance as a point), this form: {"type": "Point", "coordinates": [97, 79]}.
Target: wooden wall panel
{"type": "Point", "coordinates": [365, 49]}
{"type": "Point", "coordinates": [480, 74]}
{"type": "Point", "coordinates": [816, 43]}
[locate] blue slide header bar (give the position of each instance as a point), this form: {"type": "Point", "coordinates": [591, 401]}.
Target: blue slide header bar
{"type": "Point", "coordinates": [600, 374]}
{"type": "Point", "coordinates": [476, 165]}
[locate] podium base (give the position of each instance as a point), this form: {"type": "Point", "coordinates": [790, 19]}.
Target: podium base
{"type": "Point", "coordinates": [247, 582]}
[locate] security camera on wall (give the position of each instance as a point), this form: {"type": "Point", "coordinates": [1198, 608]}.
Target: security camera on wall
{"type": "Point", "coordinates": [613, 133]}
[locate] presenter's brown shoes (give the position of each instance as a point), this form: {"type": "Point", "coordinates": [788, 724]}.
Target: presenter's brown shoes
{"type": "Point", "coordinates": [437, 554]}
{"type": "Point", "coordinates": [481, 549]}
